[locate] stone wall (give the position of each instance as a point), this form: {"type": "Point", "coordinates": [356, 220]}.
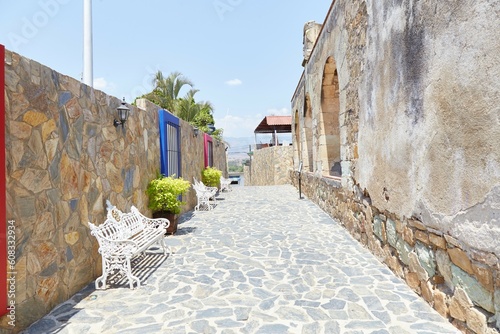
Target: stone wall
{"type": "Point", "coordinates": [64, 159]}
{"type": "Point", "coordinates": [269, 166]}
{"type": "Point", "coordinates": [192, 153]}
{"type": "Point", "coordinates": [416, 88]}
{"type": "Point", "coordinates": [193, 162]}
{"type": "Point", "coordinates": [459, 282]}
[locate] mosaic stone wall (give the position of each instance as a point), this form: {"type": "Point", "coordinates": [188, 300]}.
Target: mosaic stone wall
{"type": "Point", "coordinates": [64, 160]}
{"type": "Point", "coordinates": [193, 161]}
{"type": "Point", "coordinates": [192, 153]}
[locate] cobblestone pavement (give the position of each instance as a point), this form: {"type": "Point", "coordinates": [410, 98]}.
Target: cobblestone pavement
{"type": "Point", "coordinates": [263, 261]}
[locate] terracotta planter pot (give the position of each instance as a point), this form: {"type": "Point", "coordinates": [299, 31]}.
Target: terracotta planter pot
{"type": "Point", "coordinates": [172, 217]}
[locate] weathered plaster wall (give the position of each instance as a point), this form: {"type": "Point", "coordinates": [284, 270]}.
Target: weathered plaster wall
{"type": "Point", "coordinates": [418, 95]}
{"type": "Point", "coordinates": [432, 69]}
{"type": "Point", "coordinates": [64, 159]}
{"type": "Point", "coordinates": [269, 166]}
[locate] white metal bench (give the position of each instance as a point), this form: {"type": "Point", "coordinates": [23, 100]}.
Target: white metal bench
{"type": "Point", "coordinates": [205, 195]}
{"type": "Point", "coordinates": [123, 236]}
{"type": "Point", "coordinates": [225, 184]}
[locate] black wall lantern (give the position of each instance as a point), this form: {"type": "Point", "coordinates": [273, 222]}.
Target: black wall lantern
{"type": "Point", "coordinates": [195, 132]}
{"type": "Point", "coordinates": [211, 128]}
{"type": "Point", "coordinates": [123, 112]}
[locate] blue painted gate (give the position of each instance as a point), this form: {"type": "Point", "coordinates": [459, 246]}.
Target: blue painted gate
{"type": "Point", "coordinates": [170, 135]}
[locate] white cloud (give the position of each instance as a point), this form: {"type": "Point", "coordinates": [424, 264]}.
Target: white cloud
{"type": "Point", "coordinates": [244, 126]}
{"type": "Point", "coordinates": [234, 82]}
{"type": "Point", "coordinates": [278, 112]}
{"type": "Point", "coordinates": [102, 84]}
{"type": "Point", "coordinates": [236, 126]}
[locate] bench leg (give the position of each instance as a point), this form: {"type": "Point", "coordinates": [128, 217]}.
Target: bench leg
{"type": "Point", "coordinates": [131, 278]}
{"type": "Point", "coordinates": [166, 249]}
{"type": "Point", "coordinates": [100, 282]}
{"type": "Point", "coordinates": [120, 263]}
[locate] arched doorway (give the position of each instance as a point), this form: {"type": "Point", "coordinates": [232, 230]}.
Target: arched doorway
{"type": "Point", "coordinates": [329, 126]}
{"type": "Point", "coordinates": [297, 138]}
{"type": "Point", "coordinates": [307, 153]}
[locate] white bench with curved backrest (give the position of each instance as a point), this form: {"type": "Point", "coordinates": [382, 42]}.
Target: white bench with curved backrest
{"type": "Point", "coordinates": [225, 184]}
{"type": "Point", "coordinates": [205, 195]}
{"type": "Point", "coordinates": [123, 236]}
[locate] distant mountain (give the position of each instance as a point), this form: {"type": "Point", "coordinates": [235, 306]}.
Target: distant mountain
{"type": "Point", "coordinates": [239, 147]}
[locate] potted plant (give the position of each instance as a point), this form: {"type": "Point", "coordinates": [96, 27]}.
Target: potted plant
{"type": "Point", "coordinates": [165, 198]}
{"type": "Point", "coordinates": [210, 177]}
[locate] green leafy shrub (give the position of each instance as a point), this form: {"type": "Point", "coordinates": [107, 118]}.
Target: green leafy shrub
{"type": "Point", "coordinates": [210, 176]}
{"type": "Point", "coordinates": [164, 192]}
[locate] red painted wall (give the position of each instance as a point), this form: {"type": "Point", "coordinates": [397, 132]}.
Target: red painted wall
{"type": "Point", "coordinates": [3, 201]}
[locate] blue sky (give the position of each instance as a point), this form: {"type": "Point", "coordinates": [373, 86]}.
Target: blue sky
{"type": "Point", "coordinates": [243, 55]}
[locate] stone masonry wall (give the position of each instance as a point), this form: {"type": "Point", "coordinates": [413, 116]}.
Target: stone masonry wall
{"type": "Point", "coordinates": [269, 166]}
{"type": "Point", "coordinates": [192, 153]}
{"type": "Point", "coordinates": [64, 159]}
{"type": "Point", "coordinates": [461, 283]}
{"type": "Point", "coordinates": [418, 94]}
{"type": "Point", "coordinates": [193, 162]}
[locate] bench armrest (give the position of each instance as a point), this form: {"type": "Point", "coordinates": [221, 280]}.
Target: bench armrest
{"type": "Point", "coordinates": [151, 222]}
{"type": "Point", "coordinates": [110, 247]}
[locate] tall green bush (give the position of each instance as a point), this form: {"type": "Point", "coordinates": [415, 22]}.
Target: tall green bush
{"type": "Point", "coordinates": [210, 177]}
{"type": "Point", "coordinates": [164, 192]}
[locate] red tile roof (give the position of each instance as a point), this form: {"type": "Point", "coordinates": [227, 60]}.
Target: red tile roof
{"type": "Point", "coordinates": [279, 124]}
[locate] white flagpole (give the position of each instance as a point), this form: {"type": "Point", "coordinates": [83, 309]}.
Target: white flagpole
{"type": "Point", "coordinates": [88, 76]}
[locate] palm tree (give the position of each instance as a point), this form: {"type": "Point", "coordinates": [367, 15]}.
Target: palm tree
{"type": "Point", "coordinates": [166, 90]}
{"type": "Point", "coordinates": [166, 95]}
{"type": "Point", "coordinates": [204, 116]}
{"type": "Point", "coordinates": [186, 108]}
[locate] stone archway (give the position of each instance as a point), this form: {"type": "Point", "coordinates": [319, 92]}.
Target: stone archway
{"type": "Point", "coordinates": [329, 126]}
{"type": "Point", "coordinates": [307, 148]}
{"type": "Point", "coordinates": [297, 139]}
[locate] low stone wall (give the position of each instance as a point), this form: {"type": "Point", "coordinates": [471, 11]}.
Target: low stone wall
{"type": "Point", "coordinates": [269, 166]}
{"type": "Point", "coordinates": [461, 283]}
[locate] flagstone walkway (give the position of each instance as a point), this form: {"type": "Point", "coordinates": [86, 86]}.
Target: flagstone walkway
{"type": "Point", "coordinates": [263, 261]}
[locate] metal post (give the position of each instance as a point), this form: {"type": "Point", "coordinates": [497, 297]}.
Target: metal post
{"type": "Point", "coordinates": [300, 188]}
{"type": "Point", "coordinates": [88, 75]}
{"type": "Point", "coordinates": [300, 180]}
